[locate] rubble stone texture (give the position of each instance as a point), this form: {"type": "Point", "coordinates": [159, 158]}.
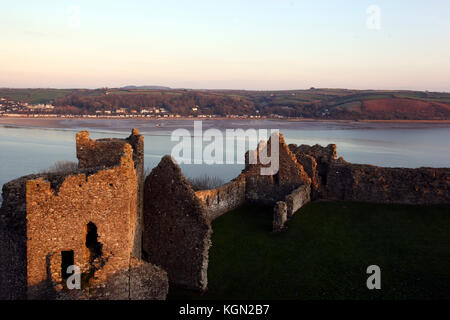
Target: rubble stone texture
{"type": "Point", "coordinates": [105, 153]}
{"type": "Point", "coordinates": [316, 161]}
{"type": "Point", "coordinates": [57, 221]}
{"type": "Point", "coordinates": [147, 282]}
{"type": "Point", "coordinates": [297, 199]}
{"type": "Point", "coordinates": [177, 227]}
{"type": "Point", "coordinates": [279, 216]}
{"type": "Point", "coordinates": [225, 198]}
{"type": "Point", "coordinates": [13, 237]}
{"type": "Point", "coordinates": [105, 218]}
{"type": "Point", "coordinates": [309, 163]}
{"type": "Point", "coordinates": [341, 180]}
{"type": "Point", "coordinates": [87, 218]}
{"type": "Point", "coordinates": [355, 182]}
{"type": "Point", "coordinates": [272, 188]}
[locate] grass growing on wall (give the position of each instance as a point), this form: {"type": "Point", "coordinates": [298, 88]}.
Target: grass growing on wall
{"type": "Point", "coordinates": [325, 252]}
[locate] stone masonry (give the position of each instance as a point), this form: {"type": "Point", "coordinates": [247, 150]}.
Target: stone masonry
{"type": "Point", "coordinates": [103, 153]}
{"type": "Point", "coordinates": [341, 180]}
{"type": "Point", "coordinates": [225, 198]}
{"type": "Point", "coordinates": [86, 218]}
{"type": "Point", "coordinates": [270, 189]}
{"type": "Point", "coordinates": [279, 216]}
{"type": "Point", "coordinates": [177, 227]}
{"type": "Point", "coordinates": [132, 237]}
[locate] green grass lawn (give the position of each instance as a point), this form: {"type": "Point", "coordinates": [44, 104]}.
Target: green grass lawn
{"type": "Point", "coordinates": [325, 252]}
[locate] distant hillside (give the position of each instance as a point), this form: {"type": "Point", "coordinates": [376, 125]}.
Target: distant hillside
{"type": "Point", "coordinates": [145, 88]}
{"type": "Point", "coordinates": [352, 104]}
{"type": "Point", "coordinates": [398, 108]}
{"type": "Point", "coordinates": [312, 103]}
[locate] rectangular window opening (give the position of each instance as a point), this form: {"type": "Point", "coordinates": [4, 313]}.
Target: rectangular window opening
{"type": "Point", "coordinates": [67, 260]}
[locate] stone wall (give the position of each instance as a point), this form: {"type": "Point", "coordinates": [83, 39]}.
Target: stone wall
{"type": "Point", "coordinates": [320, 153]}
{"type": "Point", "coordinates": [341, 180]}
{"type": "Point", "coordinates": [106, 153]}
{"type": "Point", "coordinates": [316, 160]}
{"type": "Point", "coordinates": [147, 282]}
{"type": "Point", "coordinates": [285, 210]}
{"type": "Point", "coordinates": [252, 186]}
{"type": "Point", "coordinates": [355, 182]}
{"type": "Point", "coordinates": [57, 221]}
{"type": "Point", "coordinates": [177, 228]}
{"type": "Point", "coordinates": [90, 214]}
{"type": "Point", "coordinates": [279, 216]}
{"type": "Point", "coordinates": [225, 198]}
{"type": "Point", "coordinates": [270, 189]}
{"type": "Point", "coordinates": [297, 199]}
{"type": "Point", "coordinates": [13, 235]}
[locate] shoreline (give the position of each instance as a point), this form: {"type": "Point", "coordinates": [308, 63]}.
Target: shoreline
{"type": "Point", "coordinates": [59, 122]}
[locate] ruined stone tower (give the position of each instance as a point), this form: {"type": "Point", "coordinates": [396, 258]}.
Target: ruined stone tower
{"type": "Point", "coordinates": [107, 152]}
{"type": "Point", "coordinates": [90, 218]}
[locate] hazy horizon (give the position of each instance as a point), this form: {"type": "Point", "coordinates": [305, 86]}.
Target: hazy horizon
{"type": "Point", "coordinates": [232, 45]}
{"type": "Point", "coordinates": [216, 89]}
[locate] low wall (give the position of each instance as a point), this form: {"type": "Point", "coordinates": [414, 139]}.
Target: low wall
{"type": "Point", "coordinates": [223, 199]}
{"type": "Point", "coordinates": [297, 199]}
{"type": "Point", "coordinates": [340, 180]}
{"type": "Point", "coordinates": [279, 216]}
{"type": "Point", "coordinates": [284, 210]}
{"type": "Point", "coordinates": [355, 182]}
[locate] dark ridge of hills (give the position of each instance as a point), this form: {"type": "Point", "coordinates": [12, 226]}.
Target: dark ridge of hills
{"type": "Point", "coordinates": [145, 88]}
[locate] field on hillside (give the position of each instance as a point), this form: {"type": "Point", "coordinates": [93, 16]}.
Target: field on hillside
{"type": "Point", "coordinates": [36, 96]}
{"type": "Point", "coordinates": [325, 252]}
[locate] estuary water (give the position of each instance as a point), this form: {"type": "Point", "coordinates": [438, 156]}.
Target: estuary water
{"type": "Point", "coordinates": [32, 145]}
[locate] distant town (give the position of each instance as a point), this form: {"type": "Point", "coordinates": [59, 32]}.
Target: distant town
{"type": "Point", "coordinates": [11, 108]}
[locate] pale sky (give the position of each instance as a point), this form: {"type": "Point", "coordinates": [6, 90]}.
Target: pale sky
{"type": "Point", "coordinates": [242, 44]}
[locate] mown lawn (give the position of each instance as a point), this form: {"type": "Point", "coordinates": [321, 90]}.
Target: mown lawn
{"type": "Point", "coordinates": [325, 252]}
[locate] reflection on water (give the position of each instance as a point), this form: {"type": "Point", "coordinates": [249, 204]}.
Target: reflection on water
{"type": "Point", "coordinates": [25, 150]}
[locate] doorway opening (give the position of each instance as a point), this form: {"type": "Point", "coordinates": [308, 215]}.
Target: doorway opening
{"type": "Point", "coordinates": [95, 247]}
{"type": "Point", "coordinates": [67, 260]}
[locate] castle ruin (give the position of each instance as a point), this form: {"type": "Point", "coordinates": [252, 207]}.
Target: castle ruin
{"type": "Point", "coordinates": [131, 236]}
{"type": "Point", "coordinates": [90, 218]}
